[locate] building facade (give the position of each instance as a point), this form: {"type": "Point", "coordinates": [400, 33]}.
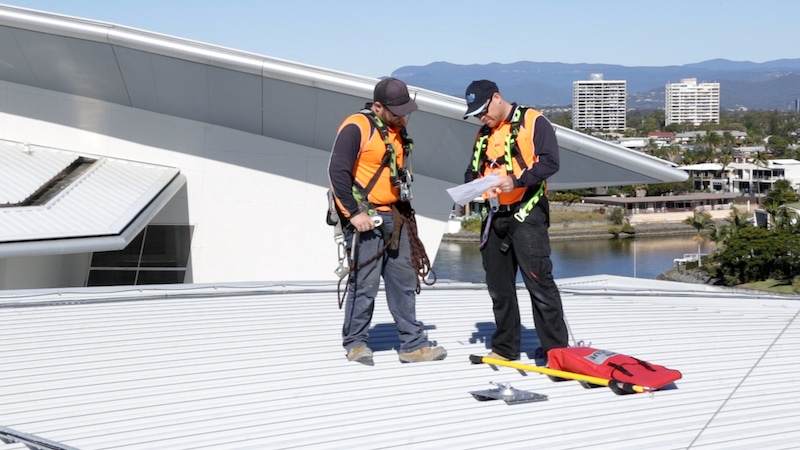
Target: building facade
{"type": "Point", "coordinates": [598, 104]}
{"type": "Point", "coordinates": [690, 102]}
{"type": "Point", "coordinates": [744, 178]}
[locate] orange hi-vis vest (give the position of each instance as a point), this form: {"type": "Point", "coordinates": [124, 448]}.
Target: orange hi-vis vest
{"type": "Point", "coordinates": [497, 151]}
{"type": "Point", "coordinates": [376, 147]}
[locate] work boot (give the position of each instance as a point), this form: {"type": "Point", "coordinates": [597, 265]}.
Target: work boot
{"type": "Point", "coordinates": [360, 353]}
{"type": "Point", "coordinates": [424, 354]}
{"type": "Point", "coordinates": [494, 355]}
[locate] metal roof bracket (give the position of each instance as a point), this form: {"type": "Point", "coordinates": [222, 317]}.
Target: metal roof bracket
{"type": "Point", "coordinates": [510, 395]}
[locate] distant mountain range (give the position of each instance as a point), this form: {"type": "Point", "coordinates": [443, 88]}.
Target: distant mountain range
{"type": "Point", "coordinates": [763, 86]}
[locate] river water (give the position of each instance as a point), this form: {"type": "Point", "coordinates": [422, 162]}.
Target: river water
{"type": "Point", "coordinates": [638, 258]}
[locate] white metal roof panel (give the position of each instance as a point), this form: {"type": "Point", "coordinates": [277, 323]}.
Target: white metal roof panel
{"type": "Point", "coordinates": [101, 202]}
{"type": "Point", "coordinates": [253, 367]}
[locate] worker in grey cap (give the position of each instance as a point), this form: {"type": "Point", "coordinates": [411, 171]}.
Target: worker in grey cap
{"type": "Point", "coordinates": [370, 178]}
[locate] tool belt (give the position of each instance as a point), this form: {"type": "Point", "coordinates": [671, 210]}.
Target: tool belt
{"type": "Point", "coordinates": [508, 208]}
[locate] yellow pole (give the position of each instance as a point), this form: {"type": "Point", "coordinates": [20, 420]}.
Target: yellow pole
{"type": "Point", "coordinates": [624, 387]}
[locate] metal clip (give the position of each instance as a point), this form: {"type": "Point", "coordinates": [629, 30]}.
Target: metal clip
{"type": "Point", "coordinates": [342, 270]}
{"type": "Point", "coordinates": [494, 203]}
{"type": "Point", "coordinates": [405, 192]}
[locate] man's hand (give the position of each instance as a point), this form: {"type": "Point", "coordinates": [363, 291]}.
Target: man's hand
{"type": "Point", "coordinates": [362, 222]}
{"type": "Point", "coordinates": [504, 184]}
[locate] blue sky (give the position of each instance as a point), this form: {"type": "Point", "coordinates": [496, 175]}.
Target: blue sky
{"type": "Point", "coordinates": [374, 38]}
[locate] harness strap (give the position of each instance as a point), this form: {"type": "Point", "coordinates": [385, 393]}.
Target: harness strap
{"type": "Point", "coordinates": [391, 153]}
{"type": "Point", "coordinates": [620, 368]}
{"type": "Point", "coordinates": [479, 159]}
{"type": "Point", "coordinates": [526, 209]}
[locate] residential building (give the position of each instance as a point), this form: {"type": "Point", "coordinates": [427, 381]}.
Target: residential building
{"type": "Point", "coordinates": [744, 178]}
{"type": "Point", "coordinates": [598, 104]}
{"type": "Point", "coordinates": [662, 138]}
{"type": "Point", "coordinates": [690, 102]}
{"type": "Point", "coordinates": [693, 136]}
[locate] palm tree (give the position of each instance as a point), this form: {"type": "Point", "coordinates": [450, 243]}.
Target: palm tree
{"type": "Point", "coordinates": [725, 160]}
{"type": "Point", "coordinates": [737, 221]}
{"type": "Point", "coordinates": [712, 140]}
{"type": "Point", "coordinates": [728, 141]}
{"type": "Point", "coordinates": [760, 160]}
{"type": "Point", "coordinates": [701, 221]}
{"type": "Point", "coordinates": [674, 152]}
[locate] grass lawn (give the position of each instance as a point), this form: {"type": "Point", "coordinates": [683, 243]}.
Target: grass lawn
{"type": "Point", "coordinates": [776, 286]}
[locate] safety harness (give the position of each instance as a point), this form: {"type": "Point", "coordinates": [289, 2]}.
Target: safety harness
{"type": "Point", "coordinates": [480, 161]}
{"type": "Point", "coordinates": [400, 177]}
{"type": "Point", "coordinates": [362, 194]}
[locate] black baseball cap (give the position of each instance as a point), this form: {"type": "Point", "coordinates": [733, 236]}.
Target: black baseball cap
{"type": "Point", "coordinates": [478, 94]}
{"type": "Point", "coordinates": [393, 94]}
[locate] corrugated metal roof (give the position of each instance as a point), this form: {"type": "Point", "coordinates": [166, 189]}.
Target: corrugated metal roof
{"type": "Point", "coordinates": [252, 367]}
{"type": "Point", "coordinates": [101, 202]}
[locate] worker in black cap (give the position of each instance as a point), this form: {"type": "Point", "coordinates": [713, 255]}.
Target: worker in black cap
{"type": "Point", "coordinates": [518, 145]}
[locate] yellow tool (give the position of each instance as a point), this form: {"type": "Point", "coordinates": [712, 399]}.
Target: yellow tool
{"type": "Point", "coordinates": [618, 387]}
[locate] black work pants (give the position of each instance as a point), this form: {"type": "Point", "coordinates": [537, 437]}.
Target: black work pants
{"type": "Point", "coordinates": [513, 245]}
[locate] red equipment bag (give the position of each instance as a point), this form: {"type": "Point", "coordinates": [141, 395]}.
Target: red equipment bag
{"type": "Point", "coordinates": [623, 369]}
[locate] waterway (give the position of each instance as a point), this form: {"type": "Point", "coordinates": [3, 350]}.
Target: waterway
{"type": "Point", "coordinates": [638, 258]}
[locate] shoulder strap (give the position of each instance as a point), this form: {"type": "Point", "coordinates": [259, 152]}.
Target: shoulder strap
{"type": "Point", "coordinates": [390, 157]}
{"type": "Point", "coordinates": [512, 148]}
{"type": "Point", "coordinates": [479, 153]}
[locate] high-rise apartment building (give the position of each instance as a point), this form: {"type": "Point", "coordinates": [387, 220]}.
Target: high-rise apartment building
{"type": "Point", "coordinates": [598, 104]}
{"type": "Point", "coordinates": [690, 102]}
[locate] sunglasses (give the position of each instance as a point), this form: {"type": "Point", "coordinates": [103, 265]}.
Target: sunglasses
{"type": "Point", "coordinates": [480, 115]}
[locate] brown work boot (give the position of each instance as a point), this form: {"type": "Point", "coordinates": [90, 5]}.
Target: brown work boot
{"type": "Point", "coordinates": [494, 355]}
{"type": "Point", "coordinates": [360, 353]}
{"type": "Point", "coordinates": [424, 354]}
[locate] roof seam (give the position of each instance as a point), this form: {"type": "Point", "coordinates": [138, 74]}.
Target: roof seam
{"type": "Point", "coordinates": [744, 378]}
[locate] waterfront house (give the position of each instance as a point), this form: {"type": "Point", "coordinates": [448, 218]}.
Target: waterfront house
{"type": "Point", "coordinates": [744, 178]}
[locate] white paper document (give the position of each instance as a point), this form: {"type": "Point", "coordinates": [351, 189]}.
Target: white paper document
{"type": "Point", "coordinates": [467, 192]}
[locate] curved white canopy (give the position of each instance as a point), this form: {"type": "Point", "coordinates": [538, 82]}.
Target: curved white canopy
{"type": "Point", "coordinates": [276, 98]}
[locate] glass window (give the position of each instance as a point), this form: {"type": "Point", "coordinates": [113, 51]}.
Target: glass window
{"type": "Point", "coordinates": [161, 276]}
{"type": "Point", "coordinates": [111, 277]}
{"type": "Point", "coordinates": [157, 247]}
{"type": "Point", "coordinates": [127, 257]}
{"type": "Point", "coordinates": [166, 246]}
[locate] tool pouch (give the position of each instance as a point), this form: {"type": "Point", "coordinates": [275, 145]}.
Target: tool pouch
{"type": "Point", "coordinates": [399, 212]}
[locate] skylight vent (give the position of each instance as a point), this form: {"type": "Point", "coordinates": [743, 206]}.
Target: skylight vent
{"type": "Point", "coordinates": [56, 184]}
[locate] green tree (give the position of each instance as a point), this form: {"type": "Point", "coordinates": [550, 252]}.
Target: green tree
{"type": "Point", "coordinates": [757, 254]}
{"type": "Point", "coordinates": [562, 118]}
{"type": "Point", "coordinates": [781, 194]}
{"type": "Point", "coordinates": [778, 145]}
{"type": "Point", "coordinates": [737, 221]}
{"type": "Point", "coordinates": [713, 140]}
{"type": "Point", "coordinates": [744, 257]}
